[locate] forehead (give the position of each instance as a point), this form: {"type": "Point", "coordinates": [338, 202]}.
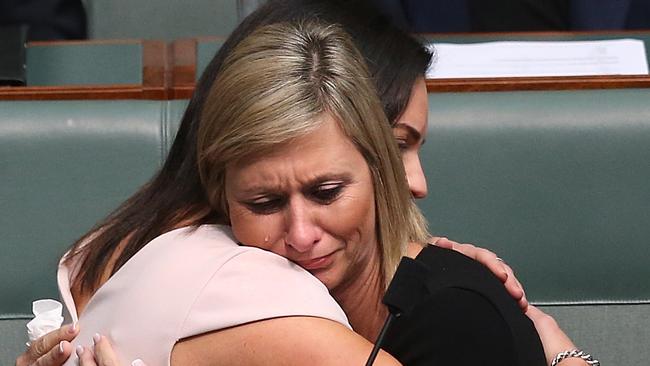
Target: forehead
{"type": "Point", "coordinates": [324, 151]}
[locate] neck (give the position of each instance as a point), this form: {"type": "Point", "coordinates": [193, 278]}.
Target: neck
{"type": "Point", "coordinates": [361, 300]}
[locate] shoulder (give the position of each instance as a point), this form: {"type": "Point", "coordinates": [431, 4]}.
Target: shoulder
{"type": "Point", "coordinates": [252, 285]}
{"type": "Point", "coordinates": [451, 326]}
{"type": "Point", "coordinates": [471, 314]}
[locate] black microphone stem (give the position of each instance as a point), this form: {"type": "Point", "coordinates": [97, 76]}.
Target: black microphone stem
{"type": "Point", "coordinates": [380, 338]}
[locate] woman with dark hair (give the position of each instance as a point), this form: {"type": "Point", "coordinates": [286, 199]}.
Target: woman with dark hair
{"type": "Point", "coordinates": [176, 197]}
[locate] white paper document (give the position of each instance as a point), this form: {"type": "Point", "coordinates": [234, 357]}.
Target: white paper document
{"type": "Point", "coordinates": [562, 58]}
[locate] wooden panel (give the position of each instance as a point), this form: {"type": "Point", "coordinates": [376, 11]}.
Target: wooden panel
{"type": "Point", "coordinates": [538, 83]}
{"type": "Point", "coordinates": [170, 71]}
{"type": "Point", "coordinates": [155, 76]}
{"type": "Point", "coordinates": [183, 68]}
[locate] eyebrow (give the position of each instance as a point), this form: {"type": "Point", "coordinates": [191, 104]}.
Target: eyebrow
{"type": "Point", "coordinates": [411, 131]}
{"type": "Point", "coordinates": [345, 177]}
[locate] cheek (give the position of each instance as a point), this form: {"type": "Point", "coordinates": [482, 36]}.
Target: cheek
{"type": "Point", "coordinates": [253, 230]}
{"type": "Point", "coordinates": [353, 218]}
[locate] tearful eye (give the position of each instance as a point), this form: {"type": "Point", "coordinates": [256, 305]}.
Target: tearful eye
{"type": "Point", "coordinates": [265, 205]}
{"type": "Point", "coordinates": [326, 193]}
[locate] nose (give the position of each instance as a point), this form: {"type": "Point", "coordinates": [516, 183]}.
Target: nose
{"type": "Point", "coordinates": [416, 179]}
{"type": "Point", "coordinates": [302, 231]}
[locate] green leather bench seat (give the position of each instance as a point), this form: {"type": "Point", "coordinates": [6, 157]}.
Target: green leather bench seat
{"type": "Point", "coordinates": [65, 165]}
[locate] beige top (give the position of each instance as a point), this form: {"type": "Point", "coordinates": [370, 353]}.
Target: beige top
{"type": "Point", "coordinates": [185, 283]}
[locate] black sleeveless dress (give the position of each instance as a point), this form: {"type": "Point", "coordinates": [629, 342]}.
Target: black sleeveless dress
{"type": "Point", "coordinates": [462, 315]}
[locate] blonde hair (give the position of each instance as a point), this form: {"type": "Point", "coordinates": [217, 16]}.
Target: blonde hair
{"type": "Point", "coordinates": [273, 87]}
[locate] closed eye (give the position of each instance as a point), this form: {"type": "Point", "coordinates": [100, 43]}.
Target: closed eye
{"type": "Point", "coordinates": [265, 205]}
{"type": "Point", "coordinates": [402, 145]}
{"type": "Point", "coordinates": [327, 193]}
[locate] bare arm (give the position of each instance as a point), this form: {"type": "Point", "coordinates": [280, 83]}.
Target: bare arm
{"type": "Point", "coordinates": [553, 338]}
{"type": "Point", "coordinates": [279, 341]}
{"type": "Point", "coordinates": [276, 342]}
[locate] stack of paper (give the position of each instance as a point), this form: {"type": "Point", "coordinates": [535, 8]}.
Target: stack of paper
{"type": "Point", "coordinates": [563, 58]}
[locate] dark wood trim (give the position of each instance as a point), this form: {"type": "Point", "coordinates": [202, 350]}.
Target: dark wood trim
{"type": "Point", "coordinates": [184, 63]}
{"type": "Point", "coordinates": [538, 83]}
{"type": "Point", "coordinates": [85, 92]}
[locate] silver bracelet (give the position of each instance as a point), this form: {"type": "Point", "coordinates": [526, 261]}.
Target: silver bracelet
{"type": "Point", "coordinates": [575, 353]}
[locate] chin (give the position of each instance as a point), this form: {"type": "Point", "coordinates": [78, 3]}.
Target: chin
{"type": "Point", "coordinates": [328, 278]}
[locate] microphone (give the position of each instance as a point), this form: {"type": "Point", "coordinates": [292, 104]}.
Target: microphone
{"type": "Point", "coordinates": [404, 292]}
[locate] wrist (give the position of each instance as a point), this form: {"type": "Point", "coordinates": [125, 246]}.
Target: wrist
{"type": "Point", "coordinates": [574, 357]}
{"type": "Point", "coordinates": [573, 362]}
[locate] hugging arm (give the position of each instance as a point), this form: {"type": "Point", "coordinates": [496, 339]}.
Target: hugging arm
{"type": "Point", "coordinates": [280, 341]}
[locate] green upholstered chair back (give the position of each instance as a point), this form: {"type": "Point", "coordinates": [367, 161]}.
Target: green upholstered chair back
{"type": "Point", "coordinates": [84, 64]}
{"type": "Point", "coordinates": [64, 165]}
{"type": "Point", "coordinates": [156, 19]}
{"type": "Point", "coordinates": [558, 184]}
{"type": "Point", "coordinates": [554, 178]}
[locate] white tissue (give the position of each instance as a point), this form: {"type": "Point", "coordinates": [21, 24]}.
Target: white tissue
{"type": "Point", "coordinates": [48, 316]}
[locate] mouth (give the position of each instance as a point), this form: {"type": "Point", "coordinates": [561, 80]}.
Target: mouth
{"type": "Point", "coordinates": [316, 263]}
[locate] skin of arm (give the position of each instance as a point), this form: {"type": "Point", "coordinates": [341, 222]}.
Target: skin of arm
{"type": "Point", "coordinates": [258, 344]}
{"type": "Point", "coordinates": [279, 341]}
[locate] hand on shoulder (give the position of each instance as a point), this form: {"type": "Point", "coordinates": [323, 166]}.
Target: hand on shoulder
{"type": "Point", "coordinates": [490, 260]}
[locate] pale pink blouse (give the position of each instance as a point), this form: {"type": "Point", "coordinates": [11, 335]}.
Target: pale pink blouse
{"type": "Point", "coordinates": [187, 282]}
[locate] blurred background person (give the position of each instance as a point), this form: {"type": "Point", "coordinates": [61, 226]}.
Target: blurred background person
{"type": "Point", "coordinates": [46, 20]}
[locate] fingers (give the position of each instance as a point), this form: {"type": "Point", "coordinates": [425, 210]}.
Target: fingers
{"type": "Point", "coordinates": [483, 256]}
{"type": "Point", "coordinates": [553, 338]}
{"type": "Point", "coordinates": [515, 289]}
{"type": "Point", "coordinates": [56, 356]}
{"type": "Point", "coordinates": [492, 262]}
{"type": "Point", "coordinates": [104, 354]}
{"type": "Point", "coordinates": [101, 354]}
{"type": "Point", "coordinates": [50, 345]}
{"type": "Point", "coordinates": [435, 240]}
{"type": "Point", "coordinates": [510, 281]}
{"type": "Point", "coordinates": [86, 356]}
{"type": "Point", "coordinates": [495, 264]}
